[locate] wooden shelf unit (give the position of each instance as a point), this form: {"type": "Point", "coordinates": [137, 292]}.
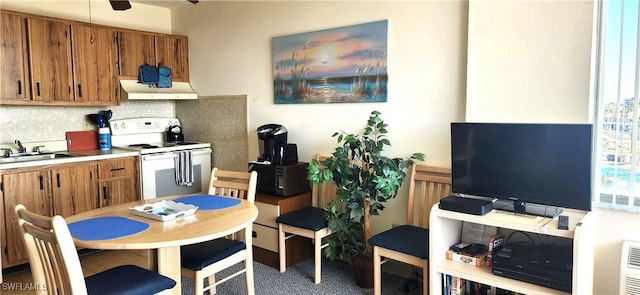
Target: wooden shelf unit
{"type": "Point", "coordinates": [444, 231]}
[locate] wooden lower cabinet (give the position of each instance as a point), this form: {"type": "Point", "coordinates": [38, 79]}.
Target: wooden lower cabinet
{"type": "Point", "coordinates": [118, 181]}
{"type": "Point", "coordinates": [73, 189]}
{"type": "Point", "coordinates": [64, 189]}
{"type": "Point", "coordinates": [265, 230]}
{"type": "Point", "coordinates": [32, 190]}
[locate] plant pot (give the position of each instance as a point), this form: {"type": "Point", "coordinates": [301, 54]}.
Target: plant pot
{"type": "Point", "coordinates": [363, 270]}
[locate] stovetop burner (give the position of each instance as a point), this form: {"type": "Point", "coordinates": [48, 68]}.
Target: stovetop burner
{"type": "Point", "coordinates": [143, 146]}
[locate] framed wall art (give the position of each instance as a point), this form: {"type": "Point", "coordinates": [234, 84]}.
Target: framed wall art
{"type": "Point", "coordinates": [341, 65]}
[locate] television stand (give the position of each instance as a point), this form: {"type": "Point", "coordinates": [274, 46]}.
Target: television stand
{"type": "Point", "coordinates": [521, 207]}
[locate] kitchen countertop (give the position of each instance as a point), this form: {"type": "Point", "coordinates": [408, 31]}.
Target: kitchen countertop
{"type": "Point", "coordinates": [78, 156]}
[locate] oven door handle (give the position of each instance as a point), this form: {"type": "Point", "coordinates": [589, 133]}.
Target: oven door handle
{"type": "Point", "coordinates": [171, 155]}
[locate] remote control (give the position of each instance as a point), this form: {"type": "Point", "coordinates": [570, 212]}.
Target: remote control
{"type": "Point", "coordinates": [459, 247]}
{"type": "Point", "coordinates": [563, 222]}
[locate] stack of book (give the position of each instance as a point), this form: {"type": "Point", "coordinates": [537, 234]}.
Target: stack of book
{"type": "Point", "coordinates": [459, 286]}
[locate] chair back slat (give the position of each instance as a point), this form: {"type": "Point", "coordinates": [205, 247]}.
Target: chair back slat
{"type": "Point", "coordinates": [428, 185]}
{"type": "Point", "coordinates": [322, 193]}
{"type": "Point", "coordinates": [54, 262]}
{"type": "Point", "coordinates": [233, 184]}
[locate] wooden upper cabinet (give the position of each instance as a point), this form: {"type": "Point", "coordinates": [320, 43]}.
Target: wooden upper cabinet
{"type": "Point", "coordinates": [134, 50]}
{"type": "Point", "coordinates": [173, 52]}
{"type": "Point", "coordinates": [14, 83]}
{"type": "Point", "coordinates": [50, 59]}
{"type": "Point", "coordinates": [94, 64]}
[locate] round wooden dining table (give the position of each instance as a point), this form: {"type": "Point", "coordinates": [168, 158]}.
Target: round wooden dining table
{"type": "Point", "coordinates": [167, 236]}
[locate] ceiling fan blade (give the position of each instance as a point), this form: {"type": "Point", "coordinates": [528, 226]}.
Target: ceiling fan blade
{"type": "Point", "coordinates": [120, 4]}
{"type": "Point", "coordinates": [194, 1]}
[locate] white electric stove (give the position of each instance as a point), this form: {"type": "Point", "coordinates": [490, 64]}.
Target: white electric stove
{"type": "Point", "coordinates": [158, 164]}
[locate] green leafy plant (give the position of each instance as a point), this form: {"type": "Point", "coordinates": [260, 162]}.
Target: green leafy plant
{"type": "Point", "coordinates": [365, 180]}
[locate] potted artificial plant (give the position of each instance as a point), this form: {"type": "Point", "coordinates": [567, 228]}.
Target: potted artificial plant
{"type": "Point", "coordinates": [365, 179]}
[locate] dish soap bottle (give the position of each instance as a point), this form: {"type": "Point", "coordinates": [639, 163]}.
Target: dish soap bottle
{"type": "Point", "coordinates": [104, 138]}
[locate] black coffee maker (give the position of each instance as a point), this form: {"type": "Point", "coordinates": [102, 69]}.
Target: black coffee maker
{"type": "Point", "coordinates": [273, 146]}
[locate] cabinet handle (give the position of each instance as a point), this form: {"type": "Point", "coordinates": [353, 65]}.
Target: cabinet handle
{"type": "Point", "coordinates": [254, 234]}
{"type": "Point", "coordinates": [19, 86]}
{"type": "Point", "coordinates": [58, 178]}
{"type": "Point", "coordinates": [117, 169]}
{"type": "Point", "coordinates": [38, 88]}
{"type": "Point", "coordinates": [79, 90]}
{"type": "Point", "coordinates": [41, 182]}
{"type": "Point", "coordinates": [104, 196]}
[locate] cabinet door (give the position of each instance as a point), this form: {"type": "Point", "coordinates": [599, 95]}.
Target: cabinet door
{"type": "Point", "coordinates": [118, 181]}
{"type": "Point", "coordinates": [94, 64]}
{"type": "Point", "coordinates": [49, 60]}
{"type": "Point", "coordinates": [118, 191]}
{"type": "Point", "coordinates": [32, 190]}
{"type": "Point", "coordinates": [173, 52]}
{"type": "Point", "coordinates": [74, 189]}
{"type": "Point", "coordinates": [134, 50]}
{"type": "Point", "coordinates": [13, 68]}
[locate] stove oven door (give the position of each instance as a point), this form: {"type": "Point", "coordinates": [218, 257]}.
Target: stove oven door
{"type": "Point", "coordinates": [158, 174]}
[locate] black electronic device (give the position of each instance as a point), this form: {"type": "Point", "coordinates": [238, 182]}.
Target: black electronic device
{"type": "Point", "coordinates": [534, 265]}
{"type": "Point", "coordinates": [563, 222]}
{"type": "Point", "coordinates": [466, 205]}
{"type": "Point", "coordinates": [270, 138]}
{"type": "Point", "coordinates": [286, 154]}
{"type": "Point", "coordinates": [281, 180]}
{"type": "Point", "coordinates": [530, 168]}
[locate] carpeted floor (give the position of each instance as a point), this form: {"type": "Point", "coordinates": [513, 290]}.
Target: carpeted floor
{"type": "Point", "coordinates": [337, 279]}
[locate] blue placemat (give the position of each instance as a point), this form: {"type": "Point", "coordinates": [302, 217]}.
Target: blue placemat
{"type": "Point", "coordinates": [209, 202]}
{"type": "Point", "coordinates": [106, 228]}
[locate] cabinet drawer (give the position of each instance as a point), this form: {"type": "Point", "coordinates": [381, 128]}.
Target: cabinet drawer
{"type": "Point", "coordinates": [265, 237]}
{"type": "Point", "coordinates": [116, 168]}
{"type": "Point", "coordinates": [267, 214]}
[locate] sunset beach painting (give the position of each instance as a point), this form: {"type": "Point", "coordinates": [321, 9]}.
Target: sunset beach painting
{"type": "Point", "coordinates": [341, 65]}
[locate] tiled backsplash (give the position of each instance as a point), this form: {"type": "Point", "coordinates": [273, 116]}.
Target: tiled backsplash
{"type": "Point", "coordinates": [31, 124]}
{"type": "Point", "coordinates": [221, 121]}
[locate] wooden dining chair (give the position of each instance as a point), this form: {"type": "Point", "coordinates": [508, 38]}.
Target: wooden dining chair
{"type": "Point", "coordinates": [410, 243]}
{"type": "Point", "coordinates": [56, 269]}
{"type": "Point", "coordinates": [203, 260]}
{"type": "Point", "coordinates": [308, 222]}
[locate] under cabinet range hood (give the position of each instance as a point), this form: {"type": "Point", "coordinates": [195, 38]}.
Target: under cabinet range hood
{"type": "Point", "coordinates": [132, 89]}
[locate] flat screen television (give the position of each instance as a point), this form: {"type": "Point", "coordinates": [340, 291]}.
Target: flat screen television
{"type": "Point", "coordinates": [529, 168]}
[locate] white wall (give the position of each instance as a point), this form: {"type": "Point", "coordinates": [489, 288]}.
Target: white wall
{"type": "Point", "coordinates": [530, 61]}
{"type": "Point", "coordinates": [230, 53]}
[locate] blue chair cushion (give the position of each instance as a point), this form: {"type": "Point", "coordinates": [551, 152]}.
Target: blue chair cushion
{"type": "Point", "coordinates": [127, 279]}
{"type": "Point", "coordinates": [311, 218]}
{"type": "Point", "coordinates": [198, 256]}
{"type": "Point", "coordinates": [406, 239]}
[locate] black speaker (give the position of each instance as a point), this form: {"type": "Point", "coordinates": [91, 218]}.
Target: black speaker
{"type": "Point", "coordinates": [466, 205]}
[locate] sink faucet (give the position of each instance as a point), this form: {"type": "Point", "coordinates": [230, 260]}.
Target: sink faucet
{"type": "Point", "coordinates": [36, 149]}
{"type": "Point", "coordinates": [21, 149]}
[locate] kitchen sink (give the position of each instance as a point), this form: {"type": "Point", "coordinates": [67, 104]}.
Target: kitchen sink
{"type": "Point", "coordinates": [33, 157]}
